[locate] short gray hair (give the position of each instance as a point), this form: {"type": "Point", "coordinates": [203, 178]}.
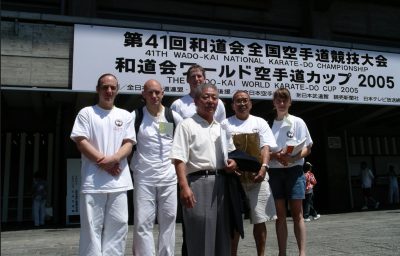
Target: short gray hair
{"type": "Point", "coordinates": [199, 89]}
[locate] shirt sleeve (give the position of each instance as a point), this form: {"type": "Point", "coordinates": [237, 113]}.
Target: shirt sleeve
{"type": "Point", "coordinates": [180, 145]}
{"type": "Point", "coordinates": [81, 125]}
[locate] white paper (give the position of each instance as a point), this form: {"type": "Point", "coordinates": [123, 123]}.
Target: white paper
{"type": "Point", "coordinates": [293, 147]}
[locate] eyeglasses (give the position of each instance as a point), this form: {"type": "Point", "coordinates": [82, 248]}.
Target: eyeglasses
{"type": "Point", "coordinates": [242, 101]}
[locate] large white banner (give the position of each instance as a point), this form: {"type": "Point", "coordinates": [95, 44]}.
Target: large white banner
{"type": "Point", "coordinates": [311, 72]}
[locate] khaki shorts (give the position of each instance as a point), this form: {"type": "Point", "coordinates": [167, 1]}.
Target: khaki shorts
{"type": "Point", "coordinates": [261, 201]}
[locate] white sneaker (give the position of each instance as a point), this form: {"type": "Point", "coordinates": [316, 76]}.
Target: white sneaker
{"type": "Point", "coordinates": [317, 217]}
{"type": "Point", "coordinates": [364, 207]}
{"type": "Point", "coordinates": [307, 220]}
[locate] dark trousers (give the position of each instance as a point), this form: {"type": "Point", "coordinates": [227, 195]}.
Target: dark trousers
{"type": "Point", "coordinates": [308, 206]}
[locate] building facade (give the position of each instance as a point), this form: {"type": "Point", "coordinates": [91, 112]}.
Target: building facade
{"type": "Point", "coordinates": [39, 103]}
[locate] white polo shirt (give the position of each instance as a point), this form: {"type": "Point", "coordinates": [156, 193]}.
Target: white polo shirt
{"type": "Point", "coordinates": [198, 144]}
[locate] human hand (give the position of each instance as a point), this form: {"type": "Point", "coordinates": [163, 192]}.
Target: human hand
{"type": "Point", "coordinates": [231, 166]}
{"type": "Point", "coordinates": [286, 159]}
{"type": "Point", "coordinates": [187, 197]}
{"type": "Point", "coordinates": [114, 171]}
{"type": "Point", "coordinates": [260, 176]}
{"type": "Point", "coordinates": [110, 165]}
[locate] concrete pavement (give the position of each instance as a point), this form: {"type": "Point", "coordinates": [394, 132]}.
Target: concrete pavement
{"type": "Point", "coordinates": [357, 233]}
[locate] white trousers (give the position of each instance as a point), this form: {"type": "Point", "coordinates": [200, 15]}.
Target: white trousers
{"type": "Point", "coordinates": [39, 211]}
{"type": "Point", "coordinates": [104, 224]}
{"type": "Point", "coordinates": [151, 202]}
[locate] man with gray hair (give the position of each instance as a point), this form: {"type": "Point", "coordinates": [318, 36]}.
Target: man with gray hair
{"type": "Point", "coordinates": [199, 154]}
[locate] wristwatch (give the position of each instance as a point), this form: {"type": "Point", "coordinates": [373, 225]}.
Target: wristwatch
{"type": "Point", "coordinates": [266, 166]}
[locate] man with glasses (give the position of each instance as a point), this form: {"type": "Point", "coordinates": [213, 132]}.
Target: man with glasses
{"type": "Point", "coordinates": [253, 135]}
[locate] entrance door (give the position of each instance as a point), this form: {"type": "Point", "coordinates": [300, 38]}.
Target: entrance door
{"type": "Point", "coordinates": [24, 154]}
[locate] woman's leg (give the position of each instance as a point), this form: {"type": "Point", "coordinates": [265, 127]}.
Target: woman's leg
{"type": "Point", "coordinates": [296, 207]}
{"type": "Point", "coordinates": [281, 225]}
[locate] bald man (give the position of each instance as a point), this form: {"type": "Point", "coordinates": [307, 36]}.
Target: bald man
{"type": "Point", "coordinates": [155, 182]}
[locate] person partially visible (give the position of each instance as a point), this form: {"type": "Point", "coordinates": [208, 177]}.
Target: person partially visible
{"type": "Point", "coordinates": [185, 106]}
{"type": "Point", "coordinates": [199, 155]}
{"type": "Point", "coordinates": [286, 176]}
{"type": "Point", "coordinates": [253, 135]}
{"type": "Point", "coordinates": [393, 195]}
{"type": "Point", "coordinates": [367, 179]}
{"type": "Point", "coordinates": [308, 202]}
{"type": "Point", "coordinates": [39, 196]}
{"type": "Point", "coordinates": [104, 134]}
{"type": "Point", "coordinates": [155, 193]}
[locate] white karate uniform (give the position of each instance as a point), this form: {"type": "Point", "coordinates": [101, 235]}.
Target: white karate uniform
{"type": "Point", "coordinates": [155, 182]}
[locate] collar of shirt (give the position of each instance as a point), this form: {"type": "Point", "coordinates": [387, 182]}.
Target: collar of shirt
{"type": "Point", "coordinates": [199, 119]}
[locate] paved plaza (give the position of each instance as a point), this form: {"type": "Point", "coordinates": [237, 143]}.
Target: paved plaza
{"type": "Point", "coordinates": [358, 233]}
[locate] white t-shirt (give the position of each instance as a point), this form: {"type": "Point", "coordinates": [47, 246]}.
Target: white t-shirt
{"type": "Point", "coordinates": [199, 144]}
{"type": "Point", "coordinates": [150, 162]}
{"type": "Point", "coordinates": [185, 107]}
{"type": "Point", "coordinates": [290, 128]}
{"type": "Point", "coordinates": [105, 130]}
{"type": "Point", "coordinates": [253, 124]}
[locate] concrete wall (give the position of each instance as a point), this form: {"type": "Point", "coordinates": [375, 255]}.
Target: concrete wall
{"type": "Point", "coordinates": [35, 55]}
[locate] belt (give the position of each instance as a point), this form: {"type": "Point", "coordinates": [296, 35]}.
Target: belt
{"type": "Point", "coordinates": [207, 172]}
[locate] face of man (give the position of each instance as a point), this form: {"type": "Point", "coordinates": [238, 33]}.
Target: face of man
{"type": "Point", "coordinates": [107, 90]}
{"type": "Point", "coordinates": [195, 78]}
{"type": "Point", "coordinates": [207, 103]}
{"type": "Point", "coordinates": [152, 93]}
{"type": "Point", "coordinates": [242, 105]}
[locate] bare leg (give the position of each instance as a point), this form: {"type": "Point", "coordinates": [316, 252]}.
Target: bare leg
{"type": "Point", "coordinates": [296, 207]}
{"type": "Point", "coordinates": [281, 226]}
{"type": "Point", "coordinates": [260, 236]}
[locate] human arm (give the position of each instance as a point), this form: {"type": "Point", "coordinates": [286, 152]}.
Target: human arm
{"type": "Point", "coordinates": [186, 194]}
{"type": "Point", "coordinates": [371, 174]}
{"type": "Point", "coordinates": [265, 156]}
{"type": "Point", "coordinates": [227, 141]}
{"type": "Point", "coordinates": [88, 149]}
{"type": "Point", "coordinates": [107, 163]}
{"type": "Point", "coordinates": [111, 163]}
{"type": "Point", "coordinates": [311, 178]}
{"type": "Point", "coordinates": [230, 166]}
{"type": "Point", "coordinates": [286, 159]}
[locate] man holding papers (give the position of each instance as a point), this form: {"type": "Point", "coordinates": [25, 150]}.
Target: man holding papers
{"type": "Point", "coordinates": [286, 170]}
{"type": "Point", "coordinates": [253, 135]}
